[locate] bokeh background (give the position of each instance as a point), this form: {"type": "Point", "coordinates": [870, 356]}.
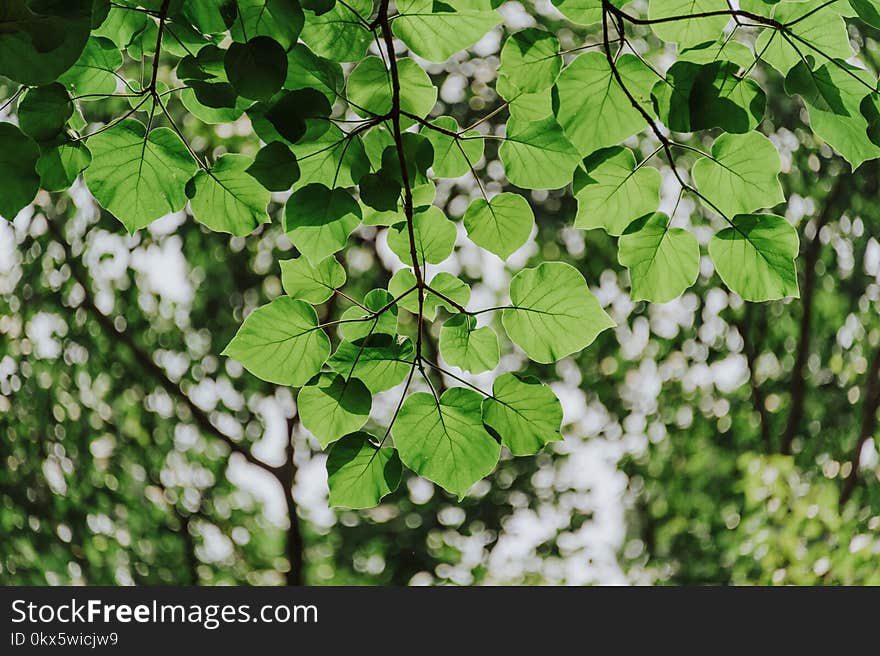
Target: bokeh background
{"type": "Point", "coordinates": [707, 441]}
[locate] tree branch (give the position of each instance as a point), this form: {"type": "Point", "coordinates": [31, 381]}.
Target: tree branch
{"type": "Point", "coordinates": [808, 287]}
{"type": "Point", "coordinates": [294, 547]}
{"type": "Point", "coordinates": [750, 350]}
{"type": "Point", "coordinates": [143, 358]}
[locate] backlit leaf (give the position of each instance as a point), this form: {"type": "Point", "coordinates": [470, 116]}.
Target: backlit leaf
{"type": "Point", "coordinates": [281, 343]}
{"type": "Point", "coordinates": [552, 313]}
{"type": "Point", "coordinates": [446, 442]}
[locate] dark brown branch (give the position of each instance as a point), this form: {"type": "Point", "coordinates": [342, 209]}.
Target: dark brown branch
{"type": "Point", "coordinates": [397, 132]}
{"type": "Point", "coordinates": [734, 13]}
{"type": "Point", "coordinates": [751, 346]}
{"type": "Point", "coordinates": [665, 142]}
{"type": "Point", "coordinates": [294, 547]}
{"type": "Point", "coordinates": [163, 14]}
{"type": "Point", "coordinates": [143, 358]}
{"type": "Point", "coordinates": [808, 288]}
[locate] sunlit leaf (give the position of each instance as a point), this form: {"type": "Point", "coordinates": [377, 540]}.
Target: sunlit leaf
{"type": "Point", "coordinates": [446, 442]}
{"type": "Point", "coordinates": [552, 313]}
{"type": "Point", "coordinates": [523, 412]}
{"type": "Point", "coordinates": [360, 473]}
{"type": "Point", "coordinates": [281, 343]}
{"type": "Point", "coordinates": [662, 261]}
{"type": "Point", "coordinates": [137, 176]}
{"type": "Point", "coordinates": [755, 257]}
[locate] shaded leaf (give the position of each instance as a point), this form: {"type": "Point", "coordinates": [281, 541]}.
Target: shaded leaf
{"type": "Point", "coordinates": [227, 199]}
{"type": "Point", "coordinates": [319, 220]}
{"type": "Point", "coordinates": [18, 161]}
{"type": "Point", "coordinates": [331, 406]}
{"type": "Point", "coordinates": [360, 473]}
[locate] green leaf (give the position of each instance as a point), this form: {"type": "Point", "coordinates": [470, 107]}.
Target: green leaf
{"type": "Point", "coordinates": [338, 34]}
{"type": "Point", "coordinates": [61, 161]}
{"type": "Point", "coordinates": [331, 156]}
{"type": "Point", "coordinates": [211, 17]}
{"type": "Point", "coordinates": [525, 107]}
{"type": "Point", "coordinates": [360, 473]}
{"type": "Point", "coordinates": [379, 191]}
{"type": "Point", "coordinates": [18, 161]}
{"type": "Point", "coordinates": [445, 283]}
{"type": "Point", "coordinates": [613, 192]}
{"type": "Point", "coordinates": [820, 26]}
{"type": "Point", "coordinates": [41, 40]}
{"type": "Point", "coordinates": [530, 60]}
{"type": "Point", "coordinates": [723, 49]}
{"type": "Point", "coordinates": [593, 109]}
{"type": "Point", "coordinates": [212, 115]}
{"type": "Point", "coordinates": [755, 257]}
{"type": "Point", "coordinates": [437, 35]}
{"type": "Point", "coordinates": [311, 283]}
{"type": "Point", "coordinates": [453, 158]}
{"type": "Point", "coordinates": [524, 412]}
{"type": "Point", "coordinates": [385, 323]}
{"type": "Point", "coordinates": [275, 167]}
{"type": "Point", "coordinates": [369, 88]}
{"type": "Point", "coordinates": [418, 157]}
{"type": "Point", "coordinates": [833, 94]}
{"type": "Point", "coordinates": [703, 96]}
{"type": "Point", "coordinates": [379, 360]}
{"type": "Point", "coordinates": [538, 155]}
{"type": "Point", "coordinates": [256, 69]}
{"type": "Point", "coordinates": [434, 236]}
{"type": "Point", "coordinates": [43, 112]}
{"type": "Point", "coordinates": [553, 314]}
{"type": "Point", "coordinates": [691, 31]}
{"type": "Point", "coordinates": [299, 115]}
{"type": "Point", "coordinates": [281, 343]}
{"type": "Point", "coordinates": [467, 347]}
{"type": "Point", "coordinates": [282, 20]}
{"type": "Point", "coordinates": [584, 12]}
{"type": "Point", "coordinates": [446, 442]}
{"type": "Point", "coordinates": [139, 177]}
{"type": "Point", "coordinates": [123, 27]}
{"type": "Point", "coordinates": [662, 261]}
{"type": "Point", "coordinates": [305, 70]}
{"type": "Point", "coordinates": [332, 406]}
{"type": "Point", "coordinates": [742, 174]}
{"type": "Point", "coordinates": [93, 72]}
{"type": "Point", "coordinates": [581, 12]}
{"type": "Point", "coordinates": [868, 11]}
{"type": "Point", "coordinates": [319, 220]}
{"type": "Point", "coordinates": [502, 225]}
{"type": "Point", "coordinates": [227, 199]}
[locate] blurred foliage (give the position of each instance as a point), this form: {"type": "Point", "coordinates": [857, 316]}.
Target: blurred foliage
{"type": "Point", "coordinates": [682, 463]}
